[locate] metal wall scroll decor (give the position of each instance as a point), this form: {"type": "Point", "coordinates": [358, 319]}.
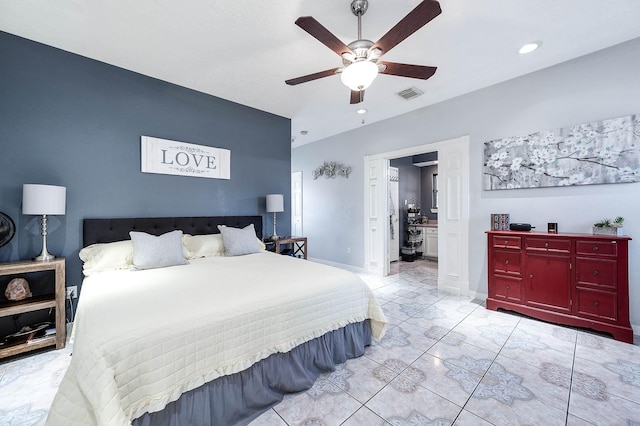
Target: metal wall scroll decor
{"type": "Point", "coordinates": [606, 151]}
{"type": "Point", "coordinates": [184, 159]}
{"type": "Point", "coordinates": [331, 170]}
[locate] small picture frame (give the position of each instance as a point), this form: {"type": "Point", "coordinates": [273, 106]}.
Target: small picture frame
{"type": "Point", "coordinates": [552, 227]}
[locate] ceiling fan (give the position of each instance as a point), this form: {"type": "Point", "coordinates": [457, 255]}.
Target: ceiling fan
{"type": "Point", "coordinates": [361, 57]}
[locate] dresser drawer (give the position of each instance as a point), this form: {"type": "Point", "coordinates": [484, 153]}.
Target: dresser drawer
{"type": "Point", "coordinates": [597, 272]}
{"type": "Point", "coordinates": [507, 288]}
{"type": "Point", "coordinates": [597, 248]}
{"type": "Point", "coordinates": [551, 244]}
{"type": "Point", "coordinates": [597, 304]}
{"type": "Point", "coordinates": [507, 262]}
{"type": "Point", "coordinates": [507, 241]}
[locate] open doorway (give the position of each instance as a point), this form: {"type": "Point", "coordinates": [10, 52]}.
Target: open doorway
{"type": "Point", "coordinates": [453, 211]}
{"type": "Point", "coordinates": [413, 212]}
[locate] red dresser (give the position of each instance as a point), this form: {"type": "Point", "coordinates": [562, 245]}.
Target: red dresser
{"type": "Point", "coordinates": [574, 279]}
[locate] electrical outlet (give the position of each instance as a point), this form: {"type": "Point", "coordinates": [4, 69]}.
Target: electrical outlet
{"type": "Point", "coordinates": [72, 292]}
{"type": "Point", "coordinates": [348, 250]}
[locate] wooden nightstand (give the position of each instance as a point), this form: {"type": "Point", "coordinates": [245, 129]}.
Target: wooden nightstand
{"type": "Point", "coordinates": [51, 298]}
{"type": "Point", "coordinates": [298, 245]}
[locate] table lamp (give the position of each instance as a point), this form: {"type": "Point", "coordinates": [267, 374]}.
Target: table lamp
{"type": "Point", "coordinates": [275, 204]}
{"type": "Point", "coordinates": [43, 200]}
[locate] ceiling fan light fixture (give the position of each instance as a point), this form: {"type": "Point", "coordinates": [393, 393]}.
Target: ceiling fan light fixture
{"type": "Point", "coordinates": [359, 75]}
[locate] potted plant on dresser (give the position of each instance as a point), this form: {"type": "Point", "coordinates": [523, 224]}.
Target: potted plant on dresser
{"type": "Point", "coordinates": [608, 226]}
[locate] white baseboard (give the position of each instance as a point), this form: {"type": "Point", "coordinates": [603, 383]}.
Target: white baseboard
{"type": "Point", "coordinates": [477, 295]}
{"type": "Point", "coordinates": [351, 268]}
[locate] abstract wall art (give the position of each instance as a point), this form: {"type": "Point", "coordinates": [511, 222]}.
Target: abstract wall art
{"type": "Point", "coordinates": [606, 151]}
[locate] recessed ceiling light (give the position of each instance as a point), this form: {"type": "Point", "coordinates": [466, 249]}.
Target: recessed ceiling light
{"type": "Point", "coordinates": [303, 132]}
{"type": "Point", "coordinates": [529, 47]}
{"type": "Point", "coordinates": [361, 111]}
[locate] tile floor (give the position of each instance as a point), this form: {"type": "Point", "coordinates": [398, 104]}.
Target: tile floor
{"type": "Point", "coordinates": [445, 360]}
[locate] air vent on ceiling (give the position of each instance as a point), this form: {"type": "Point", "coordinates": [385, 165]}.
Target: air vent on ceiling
{"type": "Point", "coordinates": [410, 93]}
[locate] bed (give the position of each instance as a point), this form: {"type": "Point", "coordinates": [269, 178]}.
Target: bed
{"type": "Point", "coordinates": [216, 341]}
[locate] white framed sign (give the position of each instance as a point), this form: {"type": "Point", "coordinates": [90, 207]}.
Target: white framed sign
{"type": "Point", "coordinates": [168, 157]}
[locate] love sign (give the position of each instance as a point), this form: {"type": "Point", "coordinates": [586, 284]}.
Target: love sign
{"type": "Point", "coordinates": [168, 157]}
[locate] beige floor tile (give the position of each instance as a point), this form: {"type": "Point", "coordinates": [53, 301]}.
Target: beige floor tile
{"type": "Point", "coordinates": [412, 405]}
{"type": "Point", "coordinates": [605, 409]}
{"type": "Point", "coordinates": [446, 379]}
{"type": "Point", "coordinates": [324, 403]}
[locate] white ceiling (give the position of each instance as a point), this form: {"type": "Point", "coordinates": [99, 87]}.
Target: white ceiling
{"type": "Point", "coordinates": [244, 50]}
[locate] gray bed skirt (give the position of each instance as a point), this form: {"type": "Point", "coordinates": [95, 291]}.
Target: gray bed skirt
{"type": "Point", "coordinates": [240, 398]}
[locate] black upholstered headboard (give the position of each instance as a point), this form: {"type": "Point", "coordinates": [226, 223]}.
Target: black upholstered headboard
{"type": "Point", "coordinates": [110, 230]}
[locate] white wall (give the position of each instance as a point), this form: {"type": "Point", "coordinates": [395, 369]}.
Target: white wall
{"type": "Point", "coordinates": [594, 87]}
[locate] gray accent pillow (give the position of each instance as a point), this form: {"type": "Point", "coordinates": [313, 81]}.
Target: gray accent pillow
{"type": "Point", "coordinates": [151, 252]}
{"type": "Point", "coordinates": [238, 242]}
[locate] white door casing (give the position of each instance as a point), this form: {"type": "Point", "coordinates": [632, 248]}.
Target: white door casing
{"type": "Point", "coordinates": [453, 211]}
{"type": "Point", "coordinates": [394, 222]}
{"type": "Point", "coordinates": [296, 204]}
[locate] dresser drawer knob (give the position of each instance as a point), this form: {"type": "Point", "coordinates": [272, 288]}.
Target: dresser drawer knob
{"type": "Point", "coordinates": [506, 243]}
{"type": "Point", "coordinates": [595, 248]}
{"type": "Point", "coordinates": [531, 276]}
{"type": "Point", "coordinates": [506, 262]}
{"type": "Point", "coordinates": [595, 273]}
{"type": "Point", "coordinates": [546, 244]}
{"type": "Point", "coordinates": [507, 287]}
{"type": "Point", "coordinates": [596, 303]}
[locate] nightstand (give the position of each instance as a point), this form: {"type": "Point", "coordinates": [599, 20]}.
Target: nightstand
{"type": "Point", "coordinates": [298, 245]}
{"type": "Point", "coordinates": [48, 291]}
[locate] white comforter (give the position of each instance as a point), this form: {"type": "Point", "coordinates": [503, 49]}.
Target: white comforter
{"type": "Point", "coordinates": [143, 338]}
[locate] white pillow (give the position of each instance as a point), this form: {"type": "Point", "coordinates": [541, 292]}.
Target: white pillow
{"type": "Point", "coordinates": [238, 242]}
{"type": "Point", "coordinates": [150, 251]}
{"type": "Point", "coordinates": [203, 245]}
{"type": "Point", "coordinates": [106, 257]}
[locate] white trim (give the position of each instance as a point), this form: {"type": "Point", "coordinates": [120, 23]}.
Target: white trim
{"type": "Point", "coordinates": [453, 259]}
{"type": "Point", "coordinates": [350, 268]}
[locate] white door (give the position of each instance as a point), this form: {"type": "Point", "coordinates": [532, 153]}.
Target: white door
{"type": "Point", "coordinates": [453, 221]}
{"type": "Point", "coordinates": [376, 253]}
{"type": "Point", "coordinates": [296, 204]}
{"type": "Point", "coordinates": [394, 211]}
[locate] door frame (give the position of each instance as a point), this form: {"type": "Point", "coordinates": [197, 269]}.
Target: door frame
{"type": "Point", "coordinates": [453, 211]}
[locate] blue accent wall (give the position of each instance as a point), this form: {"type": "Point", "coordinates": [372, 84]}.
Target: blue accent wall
{"type": "Point", "coordinates": [76, 122]}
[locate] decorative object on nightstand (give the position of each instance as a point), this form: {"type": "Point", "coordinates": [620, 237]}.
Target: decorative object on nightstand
{"type": "Point", "coordinates": [43, 200]}
{"type": "Point", "coordinates": [275, 204]}
{"type": "Point", "coordinates": [17, 289]}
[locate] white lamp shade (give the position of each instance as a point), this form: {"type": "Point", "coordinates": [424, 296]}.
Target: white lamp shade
{"type": "Point", "coordinates": [43, 199]}
{"type": "Point", "coordinates": [359, 75]}
{"type": "Point", "coordinates": [275, 203]}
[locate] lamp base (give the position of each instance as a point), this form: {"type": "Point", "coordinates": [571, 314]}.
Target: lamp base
{"type": "Point", "coordinates": [44, 258]}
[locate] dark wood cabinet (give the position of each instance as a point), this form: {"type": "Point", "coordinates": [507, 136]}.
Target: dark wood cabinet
{"type": "Point", "coordinates": [52, 299]}
{"type": "Point", "coordinates": [572, 279]}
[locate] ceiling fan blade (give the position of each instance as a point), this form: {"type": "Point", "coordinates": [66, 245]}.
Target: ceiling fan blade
{"type": "Point", "coordinates": [416, 19]}
{"type": "Point", "coordinates": [310, 77]}
{"type": "Point", "coordinates": [357, 96]}
{"type": "Point", "coordinates": [407, 70]}
{"type": "Point", "coordinates": [323, 35]}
